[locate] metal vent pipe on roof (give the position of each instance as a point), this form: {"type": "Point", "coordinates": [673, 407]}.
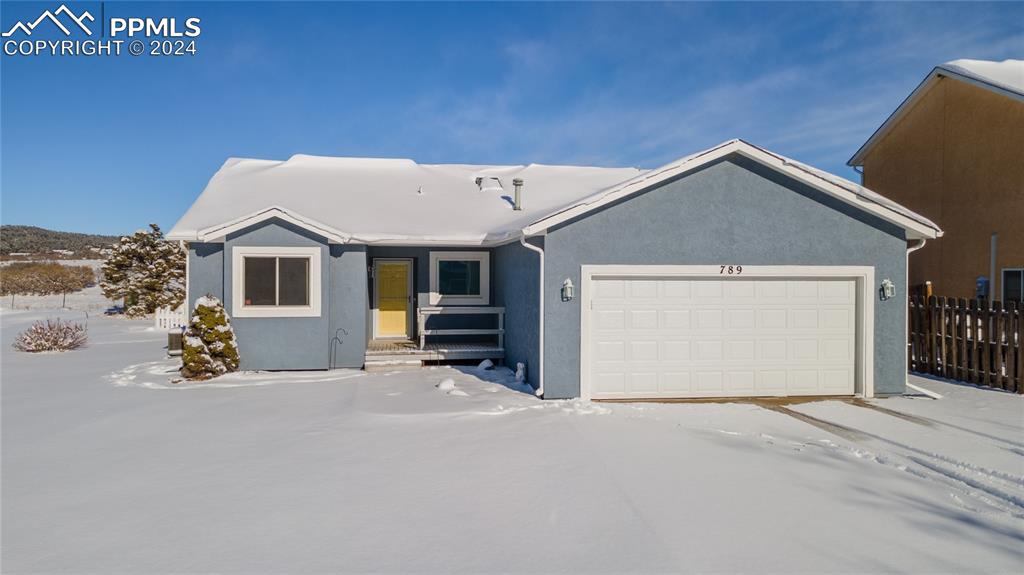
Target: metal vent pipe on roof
{"type": "Point", "coordinates": [518, 200]}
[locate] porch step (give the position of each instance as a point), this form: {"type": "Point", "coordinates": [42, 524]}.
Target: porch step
{"type": "Point", "coordinates": [391, 363]}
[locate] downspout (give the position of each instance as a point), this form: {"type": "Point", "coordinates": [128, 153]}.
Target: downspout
{"type": "Point", "coordinates": [906, 327]}
{"type": "Point", "coordinates": [188, 308]}
{"type": "Point", "coordinates": [540, 322]}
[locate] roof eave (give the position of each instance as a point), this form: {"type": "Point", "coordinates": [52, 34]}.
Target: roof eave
{"type": "Point", "coordinates": [914, 228]}
{"type": "Point", "coordinates": [219, 232]}
{"type": "Point", "coordinates": [908, 103]}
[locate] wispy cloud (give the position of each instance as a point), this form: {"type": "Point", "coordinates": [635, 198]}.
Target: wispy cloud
{"type": "Point", "coordinates": [819, 103]}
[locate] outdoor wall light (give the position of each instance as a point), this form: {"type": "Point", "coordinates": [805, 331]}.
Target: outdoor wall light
{"type": "Point", "coordinates": [567, 290]}
{"type": "Point", "coordinates": [888, 289]}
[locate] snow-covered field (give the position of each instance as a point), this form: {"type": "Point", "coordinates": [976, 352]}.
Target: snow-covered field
{"type": "Point", "coordinates": [89, 300]}
{"type": "Point", "coordinates": [108, 467]}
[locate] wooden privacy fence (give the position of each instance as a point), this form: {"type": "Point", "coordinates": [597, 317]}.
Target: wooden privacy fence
{"type": "Point", "coordinates": [968, 340]}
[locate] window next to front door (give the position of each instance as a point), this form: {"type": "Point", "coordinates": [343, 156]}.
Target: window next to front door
{"type": "Point", "coordinates": [275, 282]}
{"type": "Point", "coordinates": [460, 278]}
{"type": "Point", "coordinates": [1013, 284]}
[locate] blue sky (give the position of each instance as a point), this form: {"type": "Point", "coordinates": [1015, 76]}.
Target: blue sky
{"type": "Point", "coordinates": [108, 144]}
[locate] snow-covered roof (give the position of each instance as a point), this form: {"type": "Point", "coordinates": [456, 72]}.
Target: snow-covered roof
{"type": "Point", "coordinates": [400, 202]}
{"type": "Point", "coordinates": [917, 226]}
{"type": "Point", "coordinates": [1006, 78]}
{"type": "Point", "coordinates": [387, 201]}
{"type": "Point", "coordinates": [1007, 75]}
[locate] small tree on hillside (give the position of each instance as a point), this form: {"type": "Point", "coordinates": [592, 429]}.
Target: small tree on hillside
{"type": "Point", "coordinates": [209, 348]}
{"type": "Point", "coordinates": [147, 271]}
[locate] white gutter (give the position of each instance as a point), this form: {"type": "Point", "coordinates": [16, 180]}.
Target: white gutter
{"type": "Point", "coordinates": [906, 331]}
{"type": "Point", "coordinates": [540, 327]}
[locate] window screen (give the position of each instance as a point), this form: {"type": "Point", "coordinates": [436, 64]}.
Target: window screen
{"type": "Point", "coordinates": [260, 276]}
{"type": "Point", "coordinates": [271, 281]}
{"type": "Point", "coordinates": [458, 277]}
{"type": "Point", "coordinates": [293, 281]}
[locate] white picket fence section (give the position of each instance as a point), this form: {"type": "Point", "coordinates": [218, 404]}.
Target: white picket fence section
{"type": "Point", "coordinates": [167, 318]}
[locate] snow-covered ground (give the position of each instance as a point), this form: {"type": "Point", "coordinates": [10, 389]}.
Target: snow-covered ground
{"type": "Point", "coordinates": [109, 466]}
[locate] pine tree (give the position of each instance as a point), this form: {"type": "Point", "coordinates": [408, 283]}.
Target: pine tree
{"type": "Point", "coordinates": [209, 348]}
{"type": "Point", "coordinates": [147, 271]}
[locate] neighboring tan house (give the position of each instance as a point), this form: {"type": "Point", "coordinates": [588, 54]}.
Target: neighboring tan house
{"type": "Point", "coordinates": [953, 151]}
{"type": "Point", "coordinates": [730, 272]}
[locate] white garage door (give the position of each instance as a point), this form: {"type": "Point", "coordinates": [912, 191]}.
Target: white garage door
{"type": "Point", "coordinates": [736, 337]}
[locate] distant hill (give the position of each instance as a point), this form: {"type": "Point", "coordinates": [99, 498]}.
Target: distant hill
{"type": "Point", "coordinates": [33, 240]}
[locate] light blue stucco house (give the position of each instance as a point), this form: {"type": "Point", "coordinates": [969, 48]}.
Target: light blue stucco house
{"type": "Point", "coordinates": [730, 272]}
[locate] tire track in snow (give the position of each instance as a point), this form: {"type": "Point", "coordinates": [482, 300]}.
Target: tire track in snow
{"type": "Point", "coordinates": [1007, 489]}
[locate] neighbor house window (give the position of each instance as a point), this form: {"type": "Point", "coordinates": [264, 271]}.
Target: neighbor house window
{"type": "Point", "coordinates": [276, 282]}
{"type": "Point", "coordinates": [459, 278]}
{"type": "Point", "coordinates": [1013, 285]}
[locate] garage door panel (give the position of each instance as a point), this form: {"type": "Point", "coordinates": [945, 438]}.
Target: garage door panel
{"type": "Point", "coordinates": [675, 350]}
{"type": "Point", "coordinates": [772, 350]}
{"type": "Point", "coordinates": [836, 380]}
{"type": "Point", "coordinates": [803, 319]}
{"type": "Point", "coordinates": [643, 351]}
{"type": "Point", "coordinates": [707, 290]}
{"type": "Point", "coordinates": [739, 350]}
{"type": "Point", "coordinates": [802, 380]}
{"type": "Point", "coordinates": [741, 319]}
{"type": "Point", "coordinates": [675, 382]}
{"type": "Point", "coordinates": [707, 350]}
{"type": "Point", "coordinates": [769, 290]}
{"type": "Point", "coordinates": [837, 319]}
{"type": "Point", "coordinates": [611, 351]}
{"type": "Point", "coordinates": [838, 350]}
{"type": "Point", "coordinates": [771, 381]}
{"type": "Point", "coordinates": [610, 319]}
{"type": "Point", "coordinates": [771, 318]}
{"type": "Point", "coordinates": [803, 349]}
{"type": "Point", "coordinates": [644, 383]}
{"type": "Point", "coordinates": [739, 291]}
{"type": "Point", "coordinates": [802, 290]}
{"type": "Point", "coordinates": [711, 337]}
{"type": "Point", "coordinates": [740, 382]}
{"type": "Point", "coordinates": [643, 289]}
{"type": "Point", "coordinates": [710, 381]}
{"type": "Point", "coordinates": [838, 290]}
{"type": "Point", "coordinates": [709, 318]}
{"type": "Point", "coordinates": [643, 319]}
{"type": "Point", "coordinates": [610, 383]}
{"type": "Point", "coordinates": [676, 290]}
{"type": "Point", "coordinates": [675, 319]}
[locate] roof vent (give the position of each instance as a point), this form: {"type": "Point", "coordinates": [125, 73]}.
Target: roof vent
{"type": "Point", "coordinates": [517, 204]}
{"type": "Point", "coordinates": [489, 184]}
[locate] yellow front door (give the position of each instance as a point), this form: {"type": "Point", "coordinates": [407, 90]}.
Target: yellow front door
{"type": "Point", "coordinates": [393, 298]}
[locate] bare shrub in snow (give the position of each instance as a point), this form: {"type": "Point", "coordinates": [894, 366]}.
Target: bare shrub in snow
{"type": "Point", "coordinates": [147, 271]}
{"type": "Point", "coordinates": [51, 335]}
{"type": "Point", "coordinates": [209, 348]}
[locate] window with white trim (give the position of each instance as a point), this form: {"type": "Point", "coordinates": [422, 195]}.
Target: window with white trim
{"type": "Point", "coordinates": [276, 282]}
{"type": "Point", "coordinates": [1013, 284]}
{"type": "Point", "coordinates": [460, 278]}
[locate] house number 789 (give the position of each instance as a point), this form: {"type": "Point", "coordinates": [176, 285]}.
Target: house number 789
{"type": "Point", "coordinates": [731, 270]}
